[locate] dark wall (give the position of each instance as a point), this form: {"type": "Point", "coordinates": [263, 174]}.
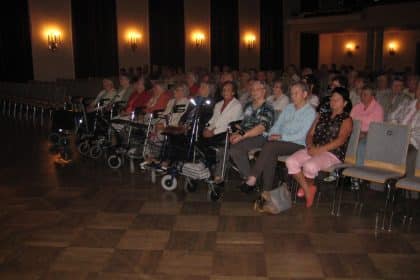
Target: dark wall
{"type": "Point", "coordinates": [167, 38]}
{"type": "Point", "coordinates": [309, 46]}
{"type": "Point", "coordinates": [271, 50]}
{"type": "Point", "coordinates": [94, 38]}
{"type": "Point", "coordinates": [224, 30]}
{"type": "Point", "coordinates": [15, 42]}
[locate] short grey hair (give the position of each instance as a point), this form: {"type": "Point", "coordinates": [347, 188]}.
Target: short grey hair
{"type": "Point", "coordinates": [303, 86]}
{"type": "Point", "coordinates": [183, 87]}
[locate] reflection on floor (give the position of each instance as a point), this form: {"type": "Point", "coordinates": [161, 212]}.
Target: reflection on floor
{"type": "Point", "coordinates": [80, 220]}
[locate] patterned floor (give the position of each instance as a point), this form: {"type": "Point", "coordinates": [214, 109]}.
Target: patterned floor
{"type": "Point", "coordinates": [80, 220]}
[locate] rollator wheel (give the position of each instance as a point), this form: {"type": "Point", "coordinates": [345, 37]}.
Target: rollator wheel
{"type": "Point", "coordinates": [54, 137]}
{"type": "Point", "coordinates": [168, 182]}
{"type": "Point", "coordinates": [95, 152]}
{"type": "Point", "coordinates": [190, 185]}
{"type": "Point", "coordinates": [114, 161]}
{"type": "Point", "coordinates": [84, 148]}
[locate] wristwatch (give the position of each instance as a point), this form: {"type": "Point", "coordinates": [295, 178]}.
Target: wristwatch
{"type": "Point", "coordinates": [241, 132]}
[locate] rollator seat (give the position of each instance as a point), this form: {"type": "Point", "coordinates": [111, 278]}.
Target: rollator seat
{"type": "Point", "coordinates": [120, 121]}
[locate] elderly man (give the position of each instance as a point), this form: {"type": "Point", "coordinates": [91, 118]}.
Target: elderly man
{"type": "Point", "coordinates": [390, 102]}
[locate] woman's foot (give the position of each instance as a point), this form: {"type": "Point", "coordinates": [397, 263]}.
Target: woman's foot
{"type": "Point", "coordinates": [245, 188]}
{"type": "Point", "coordinates": [300, 192]}
{"type": "Point", "coordinates": [144, 164]}
{"type": "Point", "coordinates": [310, 196]}
{"type": "Point", "coordinates": [217, 180]}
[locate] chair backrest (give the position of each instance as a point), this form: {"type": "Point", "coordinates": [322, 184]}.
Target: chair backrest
{"type": "Point", "coordinates": [387, 146]}
{"type": "Point", "coordinates": [351, 152]}
{"type": "Point", "coordinates": [417, 172]}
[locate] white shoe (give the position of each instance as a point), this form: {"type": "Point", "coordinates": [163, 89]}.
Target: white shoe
{"type": "Point", "coordinates": [144, 165]}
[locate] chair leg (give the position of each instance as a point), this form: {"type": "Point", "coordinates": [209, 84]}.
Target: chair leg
{"type": "Point", "coordinates": [14, 109]}
{"type": "Point", "coordinates": [295, 187]}
{"type": "Point", "coordinates": [334, 202]}
{"type": "Point", "coordinates": [340, 199]}
{"type": "Point", "coordinates": [395, 193]}
{"type": "Point", "coordinates": [388, 196]}
{"type": "Point", "coordinates": [361, 199]}
{"type": "Point", "coordinates": [42, 117]}
{"type": "Point", "coordinates": [318, 199]}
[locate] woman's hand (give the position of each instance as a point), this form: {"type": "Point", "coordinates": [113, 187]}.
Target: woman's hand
{"type": "Point", "coordinates": [274, 137]}
{"type": "Point", "coordinates": [314, 151]}
{"type": "Point", "coordinates": [159, 126]}
{"type": "Point", "coordinates": [207, 133]}
{"type": "Point", "coordinates": [235, 138]}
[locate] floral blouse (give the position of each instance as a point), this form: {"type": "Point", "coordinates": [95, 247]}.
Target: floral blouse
{"type": "Point", "coordinates": [263, 115]}
{"type": "Point", "coordinates": [327, 130]}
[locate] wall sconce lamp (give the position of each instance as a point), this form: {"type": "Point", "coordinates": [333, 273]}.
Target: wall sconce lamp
{"type": "Point", "coordinates": [198, 39]}
{"type": "Point", "coordinates": [392, 48]}
{"type": "Point", "coordinates": [133, 39]}
{"type": "Point", "coordinates": [351, 48]}
{"type": "Point", "coordinates": [53, 39]}
{"type": "Point", "coordinates": [250, 39]}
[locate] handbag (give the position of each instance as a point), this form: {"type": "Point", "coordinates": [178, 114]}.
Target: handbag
{"type": "Point", "coordinates": [274, 201]}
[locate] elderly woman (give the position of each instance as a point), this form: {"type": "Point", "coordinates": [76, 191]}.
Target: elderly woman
{"type": "Point", "coordinates": [106, 95]}
{"type": "Point", "coordinates": [125, 90]}
{"type": "Point", "coordinates": [204, 101]}
{"type": "Point", "coordinates": [193, 86]}
{"type": "Point", "coordinates": [367, 111]}
{"type": "Point", "coordinates": [140, 97]}
{"type": "Point", "coordinates": [258, 119]}
{"type": "Point", "coordinates": [326, 144]}
{"type": "Point", "coordinates": [175, 108]}
{"type": "Point", "coordinates": [177, 147]}
{"type": "Point", "coordinates": [160, 97]}
{"type": "Point", "coordinates": [313, 88]}
{"type": "Point", "coordinates": [278, 99]}
{"type": "Point", "coordinates": [286, 136]}
{"type": "Point", "coordinates": [356, 91]}
{"type": "Point", "coordinates": [226, 111]}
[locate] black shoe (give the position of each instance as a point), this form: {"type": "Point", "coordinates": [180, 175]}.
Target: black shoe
{"type": "Point", "coordinates": [245, 188]}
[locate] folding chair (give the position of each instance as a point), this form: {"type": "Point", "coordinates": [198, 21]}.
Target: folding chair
{"type": "Point", "coordinates": [384, 163]}
{"type": "Point", "coordinates": [410, 184]}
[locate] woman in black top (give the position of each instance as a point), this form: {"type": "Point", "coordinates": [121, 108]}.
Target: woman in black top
{"type": "Point", "coordinates": [326, 144]}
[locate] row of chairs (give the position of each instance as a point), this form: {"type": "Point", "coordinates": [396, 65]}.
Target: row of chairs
{"type": "Point", "coordinates": [34, 99]}
{"type": "Point", "coordinates": [384, 163]}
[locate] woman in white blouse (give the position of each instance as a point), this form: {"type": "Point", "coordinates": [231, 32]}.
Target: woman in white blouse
{"type": "Point", "coordinates": [225, 111]}
{"type": "Point", "coordinates": [278, 100]}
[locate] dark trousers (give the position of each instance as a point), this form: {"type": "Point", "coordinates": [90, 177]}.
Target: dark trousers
{"type": "Point", "coordinates": [267, 160]}
{"type": "Point", "coordinates": [214, 156]}
{"type": "Point", "coordinates": [239, 153]}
